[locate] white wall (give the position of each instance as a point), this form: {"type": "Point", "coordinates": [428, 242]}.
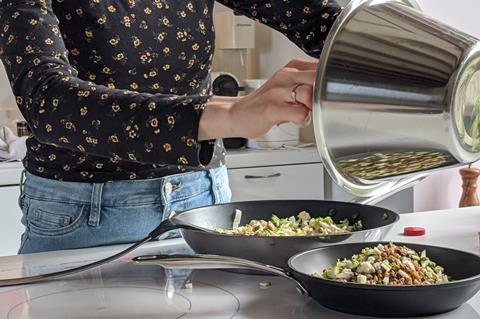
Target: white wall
{"type": "Point", "coordinates": [8, 109]}
{"type": "Point", "coordinates": [279, 52]}
{"type": "Point", "coordinates": [461, 14]}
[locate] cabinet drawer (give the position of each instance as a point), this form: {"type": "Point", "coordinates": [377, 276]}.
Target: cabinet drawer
{"type": "Point", "coordinates": [277, 182]}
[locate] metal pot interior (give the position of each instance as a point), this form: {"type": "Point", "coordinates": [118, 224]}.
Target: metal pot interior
{"type": "Point", "coordinates": [396, 96]}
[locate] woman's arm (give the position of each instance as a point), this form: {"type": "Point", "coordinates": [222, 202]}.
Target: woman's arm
{"type": "Point", "coordinates": [68, 112]}
{"type": "Point", "coordinates": [307, 24]}
{"type": "Point", "coordinates": [304, 22]}
{"type": "Point", "coordinates": [254, 115]}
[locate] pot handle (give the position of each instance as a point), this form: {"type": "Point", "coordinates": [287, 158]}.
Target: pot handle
{"type": "Point", "coordinates": [215, 262]}
{"type": "Point", "coordinates": [398, 187]}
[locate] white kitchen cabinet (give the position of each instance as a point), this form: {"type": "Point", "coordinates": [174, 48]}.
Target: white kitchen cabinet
{"type": "Point", "coordinates": [10, 226]}
{"type": "Point", "coordinates": [303, 181]}
{"type": "Point", "coordinates": [292, 174]}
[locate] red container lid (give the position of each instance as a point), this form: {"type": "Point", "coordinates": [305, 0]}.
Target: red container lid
{"type": "Point", "coordinates": [414, 231]}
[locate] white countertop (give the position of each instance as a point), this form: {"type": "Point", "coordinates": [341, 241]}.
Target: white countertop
{"type": "Point", "coordinates": [124, 290]}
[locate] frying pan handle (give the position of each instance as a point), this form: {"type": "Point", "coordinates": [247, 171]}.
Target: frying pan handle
{"type": "Point", "coordinates": [398, 187]}
{"type": "Point", "coordinates": [168, 225]}
{"type": "Point", "coordinates": [215, 262]}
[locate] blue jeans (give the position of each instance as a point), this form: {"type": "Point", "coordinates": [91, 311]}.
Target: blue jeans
{"type": "Point", "coordinates": [67, 215]}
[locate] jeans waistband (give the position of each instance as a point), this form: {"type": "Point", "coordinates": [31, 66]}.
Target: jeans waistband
{"type": "Point", "coordinates": [124, 193]}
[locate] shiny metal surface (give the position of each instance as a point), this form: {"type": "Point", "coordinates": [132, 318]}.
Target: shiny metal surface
{"type": "Point", "coordinates": [215, 262]}
{"type": "Point", "coordinates": [398, 187]}
{"type": "Point", "coordinates": [397, 94]}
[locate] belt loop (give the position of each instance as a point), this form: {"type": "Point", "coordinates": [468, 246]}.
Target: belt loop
{"type": "Point", "coordinates": [22, 188]}
{"type": "Point", "coordinates": [165, 198]}
{"type": "Point", "coordinates": [213, 179]}
{"type": "Point", "coordinates": [96, 204]}
{"type": "Point", "coordinates": [22, 181]}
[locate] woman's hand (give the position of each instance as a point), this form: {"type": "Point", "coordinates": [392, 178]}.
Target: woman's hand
{"type": "Point", "coordinates": [254, 115]}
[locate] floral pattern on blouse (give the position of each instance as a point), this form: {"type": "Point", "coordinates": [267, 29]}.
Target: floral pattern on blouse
{"type": "Point", "coordinates": [114, 89]}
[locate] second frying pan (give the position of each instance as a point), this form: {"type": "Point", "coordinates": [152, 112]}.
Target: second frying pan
{"type": "Point", "coordinates": [372, 300]}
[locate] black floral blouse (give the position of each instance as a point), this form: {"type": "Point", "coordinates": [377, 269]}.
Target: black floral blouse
{"type": "Point", "coordinates": [114, 89]}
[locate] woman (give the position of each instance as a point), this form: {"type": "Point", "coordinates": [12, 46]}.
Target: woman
{"type": "Point", "coordinates": [125, 131]}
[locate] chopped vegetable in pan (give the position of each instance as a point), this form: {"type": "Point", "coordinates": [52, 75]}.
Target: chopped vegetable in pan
{"type": "Point", "coordinates": [386, 265]}
{"type": "Point", "coordinates": [302, 225]}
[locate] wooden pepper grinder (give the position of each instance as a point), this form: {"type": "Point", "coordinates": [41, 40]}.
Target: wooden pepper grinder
{"type": "Point", "coordinates": [469, 195]}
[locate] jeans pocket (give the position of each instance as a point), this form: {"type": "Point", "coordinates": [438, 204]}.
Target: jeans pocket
{"type": "Point", "coordinates": [46, 218]}
{"type": "Point", "coordinates": [41, 218]}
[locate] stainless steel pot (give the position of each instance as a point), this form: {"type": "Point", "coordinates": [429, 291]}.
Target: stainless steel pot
{"type": "Point", "coordinates": [397, 96]}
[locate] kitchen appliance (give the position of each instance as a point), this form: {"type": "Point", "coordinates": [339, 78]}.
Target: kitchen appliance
{"type": "Point", "coordinates": [234, 31]}
{"type": "Point", "coordinates": [286, 134]}
{"type": "Point", "coordinates": [361, 299]}
{"type": "Point", "coordinates": [396, 97]}
{"type": "Point", "coordinates": [234, 34]}
{"type": "Point", "coordinates": [226, 84]}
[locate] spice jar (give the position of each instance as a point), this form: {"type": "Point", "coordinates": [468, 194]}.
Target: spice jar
{"type": "Point", "coordinates": [22, 129]}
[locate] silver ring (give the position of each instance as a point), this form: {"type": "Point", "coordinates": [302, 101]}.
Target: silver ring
{"type": "Point", "coordinates": [293, 94]}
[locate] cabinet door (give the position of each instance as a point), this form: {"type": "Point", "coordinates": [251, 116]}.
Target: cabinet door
{"type": "Point", "coordinates": [10, 226]}
{"type": "Point", "coordinates": [277, 182]}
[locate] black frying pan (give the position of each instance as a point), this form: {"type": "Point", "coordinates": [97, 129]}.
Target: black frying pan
{"type": "Point", "coordinates": [198, 227]}
{"type": "Point", "coordinates": [370, 300]}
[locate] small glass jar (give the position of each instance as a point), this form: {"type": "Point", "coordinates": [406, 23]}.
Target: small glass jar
{"type": "Point", "coordinates": [23, 129]}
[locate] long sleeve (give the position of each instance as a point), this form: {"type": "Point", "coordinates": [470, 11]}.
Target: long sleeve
{"type": "Point", "coordinates": [68, 112]}
{"type": "Point", "coordinates": [306, 23]}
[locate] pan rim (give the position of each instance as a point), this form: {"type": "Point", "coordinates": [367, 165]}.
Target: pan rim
{"type": "Point", "coordinates": [452, 284]}
{"type": "Point", "coordinates": [212, 231]}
